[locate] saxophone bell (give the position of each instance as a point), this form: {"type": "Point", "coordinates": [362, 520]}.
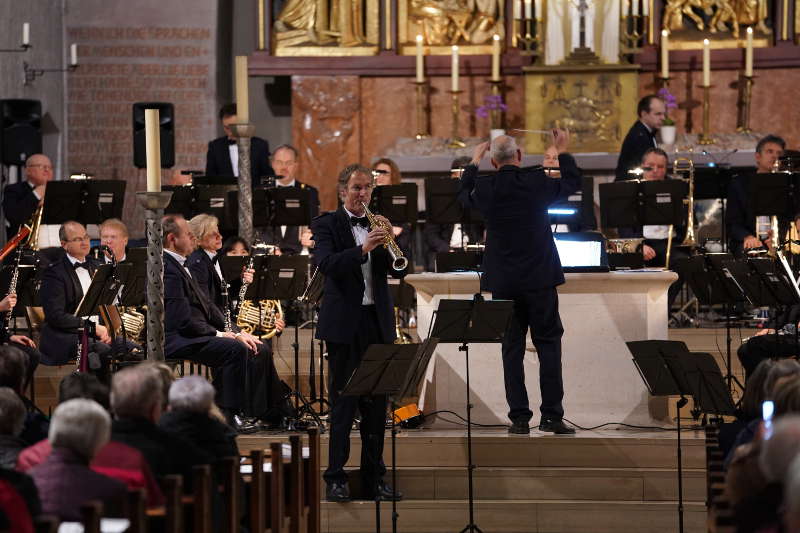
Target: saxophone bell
{"type": "Point", "coordinates": [399, 261]}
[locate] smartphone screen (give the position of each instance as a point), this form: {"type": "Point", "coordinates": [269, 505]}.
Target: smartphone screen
{"type": "Point", "coordinates": [767, 409]}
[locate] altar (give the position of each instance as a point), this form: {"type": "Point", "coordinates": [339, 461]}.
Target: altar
{"type": "Point", "coordinates": [600, 313]}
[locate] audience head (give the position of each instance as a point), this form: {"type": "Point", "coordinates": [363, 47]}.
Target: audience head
{"type": "Point", "coordinates": [791, 498]}
{"type": "Point", "coordinates": [388, 173]}
{"type": "Point", "coordinates": [227, 115]}
{"type": "Point", "coordinates": [192, 393]}
{"type": "Point", "coordinates": [778, 451]}
{"type": "Point", "coordinates": [285, 163]}
{"type": "Point", "coordinates": [786, 396]}
{"type": "Point", "coordinates": [205, 229]}
{"type": "Point", "coordinates": [458, 164]}
{"type": "Point", "coordinates": [768, 150]}
{"type": "Point", "coordinates": [656, 160]}
{"type": "Point", "coordinates": [178, 237]}
{"type": "Point", "coordinates": [38, 170]}
{"type": "Point", "coordinates": [782, 370]}
{"type": "Point", "coordinates": [114, 234]}
{"type": "Point", "coordinates": [83, 385]}
{"type": "Point", "coordinates": [165, 375]}
{"type": "Point", "coordinates": [504, 151]}
{"type": "Point", "coordinates": [13, 368]}
{"type": "Point", "coordinates": [754, 390]}
{"type": "Point", "coordinates": [137, 392]}
{"type": "Point", "coordinates": [80, 425]}
{"type": "Point", "coordinates": [236, 246]}
{"type": "Point", "coordinates": [355, 186]}
{"type": "Point", "coordinates": [652, 111]}
{"type": "Point", "coordinates": [12, 412]}
{"type": "Point", "coordinates": [74, 239]}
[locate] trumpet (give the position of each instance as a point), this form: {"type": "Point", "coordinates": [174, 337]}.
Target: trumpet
{"type": "Point", "coordinates": [399, 261]}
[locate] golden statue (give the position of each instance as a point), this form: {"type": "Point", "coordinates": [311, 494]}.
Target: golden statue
{"type": "Point", "coordinates": [448, 22]}
{"type": "Point", "coordinates": [752, 13]}
{"type": "Point", "coordinates": [321, 22]}
{"type": "Point", "coordinates": [676, 9]}
{"type": "Point", "coordinates": [722, 12]}
{"type": "Point", "coordinates": [723, 15]}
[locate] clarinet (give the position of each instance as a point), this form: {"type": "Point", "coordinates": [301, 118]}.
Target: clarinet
{"type": "Point", "coordinates": [12, 288]}
{"type": "Point", "coordinates": [226, 303]}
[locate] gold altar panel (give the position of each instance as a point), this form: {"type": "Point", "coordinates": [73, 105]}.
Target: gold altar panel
{"type": "Point", "coordinates": [327, 28]}
{"type": "Point", "coordinates": [722, 22]}
{"type": "Point", "coordinates": [327, 127]}
{"type": "Point", "coordinates": [597, 105]}
{"type": "Point", "coordinates": [443, 23]}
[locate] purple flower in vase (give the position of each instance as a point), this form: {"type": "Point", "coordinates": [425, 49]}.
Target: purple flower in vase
{"type": "Point", "coordinates": [491, 102]}
{"type": "Point", "coordinates": [669, 99]}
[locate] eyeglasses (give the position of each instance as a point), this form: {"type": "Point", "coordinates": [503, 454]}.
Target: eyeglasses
{"type": "Point", "coordinates": [85, 238]}
{"type": "Point", "coordinates": [45, 167]}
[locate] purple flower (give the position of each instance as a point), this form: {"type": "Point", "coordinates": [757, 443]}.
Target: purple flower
{"type": "Point", "coordinates": [669, 99]}
{"type": "Point", "coordinates": [492, 102]}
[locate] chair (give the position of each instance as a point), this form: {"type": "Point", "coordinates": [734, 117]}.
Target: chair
{"type": "Point", "coordinates": [258, 492]}
{"type": "Point", "coordinates": [91, 512]}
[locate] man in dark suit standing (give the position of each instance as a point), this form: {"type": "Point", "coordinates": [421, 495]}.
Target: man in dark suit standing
{"type": "Point", "coordinates": [291, 240]}
{"type": "Point", "coordinates": [356, 312]}
{"type": "Point", "coordinates": [21, 199]}
{"type": "Point", "coordinates": [222, 158]}
{"type": "Point", "coordinates": [63, 285]}
{"type": "Point", "coordinates": [642, 135]}
{"type": "Point", "coordinates": [521, 263]}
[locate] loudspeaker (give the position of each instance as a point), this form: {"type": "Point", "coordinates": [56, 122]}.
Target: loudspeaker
{"type": "Point", "coordinates": [20, 130]}
{"type": "Point", "coordinates": [166, 114]}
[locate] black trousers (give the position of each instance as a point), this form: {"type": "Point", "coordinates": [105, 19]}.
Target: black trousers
{"type": "Point", "coordinates": [267, 392]}
{"type": "Point", "coordinates": [756, 349]}
{"type": "Point", "coordinates": [537, 310]}
{"type": "Point", "coordinates": [228, 358]}
{"type": "Point", "coordinates": [343, 360]}
{"type": "Point", "coordinates": [33, 355]}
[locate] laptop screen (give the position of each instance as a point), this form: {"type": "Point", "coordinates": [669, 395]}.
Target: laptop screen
{"type": "Point", "coordinates": [580, 249]}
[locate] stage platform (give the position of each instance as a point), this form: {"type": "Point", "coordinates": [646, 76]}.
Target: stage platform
{"type": "Point", "coordinates": [607, 480]}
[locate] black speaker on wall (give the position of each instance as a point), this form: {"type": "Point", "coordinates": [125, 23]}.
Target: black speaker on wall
{"type": "Point", "coordinates": [166, 114]}
{"type": "Point", "coordinates": [20, 130]}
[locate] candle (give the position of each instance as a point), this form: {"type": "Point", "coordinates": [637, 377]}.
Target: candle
{"type": "Point", "coordinates": [528, 11]}
{"type": "Point", "coordinates": [538, 9]}
{"type": "Point", "coordinates": [706, 63]}
{"type": "Point", "coordinates": [26, 33]}
{"type": "Point", "coordinates": [645, 7]}
{"type": "Point", "coordinates": [664, 54]}
{"type": "Point", "coordinates": [748, 54]}
{"type": "Point", "coordinates": [152, 135]}
{"type": "Point", "coordinates": [495, 57]}
{"type": "Point", "coordinates": [454, 70]}
{"type": "Point", "coordinates": [73, 54]}
{"type": "Point", "coordinates": [242, 93]}
{"type": "Point", "coordinates": [635, 8]}
{"type": "Point", "coordinates": [420, 63]}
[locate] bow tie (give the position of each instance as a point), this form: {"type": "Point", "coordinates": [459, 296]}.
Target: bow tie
{"type": "Point", "coordinates": [78, 265]}
{"type": "Point", "coordinates": [359, 221]}
{"type": "Point", "coordinates": [231, 141]}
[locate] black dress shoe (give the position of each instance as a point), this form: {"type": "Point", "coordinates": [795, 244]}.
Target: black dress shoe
{"type": "Point", "coordinates": [519, 427]}
{"type": "Point", "coordinates": [555, 426]}
{"type": "Point", "coordinates": [386, 493]}
{"type": "Point", "coordinates": [338, 492]}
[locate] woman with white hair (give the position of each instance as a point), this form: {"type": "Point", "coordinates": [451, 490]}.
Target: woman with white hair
{"type": "Point", "coordinates": [78, 429]}
{"type": "Point", "coordinates": [190, 415]}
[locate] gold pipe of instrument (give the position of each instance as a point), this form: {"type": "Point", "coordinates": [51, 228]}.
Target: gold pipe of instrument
{"type": "Point", "coordinates": [669, 247]}
{"type": "Point", "coordinates": [399, 261]}
{"type": "Point", "coordinates": [36, 222]}
{"type": "Point", "coordinates": [684, 164]}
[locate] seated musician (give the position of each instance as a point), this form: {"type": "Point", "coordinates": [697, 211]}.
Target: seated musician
{"type": "Point", "coordinates": [64, 283]}
{"type": "Point", "coordinates": [235, 246]}
{"type": "Point", "coordinates": [21, 199]}
{"type": "Point", "coordinates": [739, 218]}
{"type": "Point", "coordinates": [440, 238]}
{"type": "Point", "coordinates": [195, 330]}
{"type": "Point", "coordinates": [114, 234]}
{"type": "Point", "coordinates": [290, 240]}
{"type": "Point", "coordinates": [387, 172]}
{"type": "Point", "coordinates": [654, 249]}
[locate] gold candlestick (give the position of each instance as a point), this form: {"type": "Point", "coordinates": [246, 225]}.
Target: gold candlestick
{"type": "Point", "coordinates": [496, 114]}
{"type": "Point", "coordinates": [705, 137]}
{"type": "Point", "coordinates": [422, 110]}
{"type": "Point", "coordinates": [455, 140]}
{"type": "Point", "coordinates": [529, 36]}
{"type": "Point", "coordinates": [663, 83]}
{"type": "Point", "coordinates": [745, 96]}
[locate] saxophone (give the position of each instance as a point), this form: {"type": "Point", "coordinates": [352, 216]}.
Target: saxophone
{"type": "Point", "coordinates": [257, 317]}
{"type": "Point", "coordinates": [399, 261]}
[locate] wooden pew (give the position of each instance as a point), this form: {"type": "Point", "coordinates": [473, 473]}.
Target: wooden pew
{"type": "Point", "coordinates": [313, 490]}
{"type": "Point", "coordinates": [296, 501]}
{"type": "Point", "coordinates": [258, 493]}
{"type": "Point", "coordinates": [45, 524]}
{"type": "Point", "coordinates": [276, 497]}
{"type": "Point", "coordinates": [91, 512]}
{"type": "Point", "coordinates": [230, 479]}
{"type": "Point", "coordinates": [135, 511]}
{"type": "Point", "coordinates": [201, 499]}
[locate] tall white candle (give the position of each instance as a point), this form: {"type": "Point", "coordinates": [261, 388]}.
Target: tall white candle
{"type": "Point", "coordinates": [537, 7]}
{"type": "Point", "coordinates": [517, 9]}
{"type": "Point", "coordinates": [73, 54]}
{"type": "Point", "coordinates": [26, 33]}
{"type": "Point", "coordinates": [152, 146]}
{"type": "Point", "coordinates": [706, 63]}
{"type": "Point", "coordinates": [645, 7]}
{"type": "Point", "coordinates": [635, 8]}
{"type": "Point", "coordinates": [528, 9]}
{"type": "Point", "coordinates": [420, 63]}
{"type": "Point", "coordinates": [664, 54]}
{"type": "Point", "coordinates": [242, 92]}
{"type": "Point", "coordinates": [454, 70]}
{"type": "Point", "coordinates": [748, 54]}
{"type": "Point", "coordinates": [495, 57]}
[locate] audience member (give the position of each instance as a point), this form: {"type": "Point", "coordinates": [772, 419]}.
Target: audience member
{"type": "Point", "coordinates": [12, 375]}
{"type": "Point", "coordinates": [750, 408]}
{"type": "Point", "coordinates": [12, 420]}
{"type": "Point", "coordinates": [19, 501]}
{"type": "Point", "coordinates": [791, 498]}
{"type": "Point", "coordinates": [79, 429]}
{"type": "Point", "coordinates": [191, 400]}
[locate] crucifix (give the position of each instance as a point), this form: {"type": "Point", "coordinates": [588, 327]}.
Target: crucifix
{"type": "Point", "coordinates": [582, 54]}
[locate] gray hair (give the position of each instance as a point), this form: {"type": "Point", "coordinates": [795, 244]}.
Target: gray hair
{"type": "Point", "coordinates": [191, 393]}
{"type": "Point", "coordinates": [288, 147]}
{"type": "Point", "coordinates": [12, 412]}
{"type": "Point", "coordinates": [504, 149]}
{"type": "Point", "coordinates": [80, 425]}
{"type": "Point", "coordinates": [62, 231]}
{"type": "Point", "coordinates": [169, 224]}
{"type": "Point", "coordinates": [778, 452]}
{"type": "Point", "coordinates": [349, 171]}
{"type": "Point", "coordinates": [135, 390]}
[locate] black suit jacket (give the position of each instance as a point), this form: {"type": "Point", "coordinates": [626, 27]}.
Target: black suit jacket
{"type": "Point", "coordinates": [739, 218]}
{"type": "Point", "coordinates": [19, 203]}
{"type": "Point", "coordinates": [636, 143]}
{"type": "Point", "coordinates": [520, 251]}
{"type": "Point", "coordinates": [189, 317]}
{"type": "Point", "coordinates": [202, 268]}
{"type": "Point", "coordinates": [218, 159]}
{"type": "Point", "coordinates": [289, 242]}
{"type": "Point", "coordinates": [339, 259]}
{"type": "Point", "coordinates": [60, 293]}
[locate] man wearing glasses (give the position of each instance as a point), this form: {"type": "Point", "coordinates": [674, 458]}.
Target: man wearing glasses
{"type": "Point", "coordinates": [63, 285]}
{"type": "Point", "coordinates": [21, 199]}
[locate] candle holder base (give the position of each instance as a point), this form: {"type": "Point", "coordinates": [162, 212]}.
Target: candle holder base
{"type": "Point", "coordinates": [744, 102]}
{"type": "Point", "coordinates": [154, 200]}
{"type": "Point", "coordinates": [423, 119]}
{"type": "Point", "coordinates": [663, 83]}
{"type": "Point", "coordinates": [703, 140]}
{"type": "Point", "coordinates": [705, 137]}
{"type": "Point", "coordinates": [455, 138]}
{"type": "Point", "coordinates": [421, 136]}
{"type": "Point", "coordinates": [456, 143]}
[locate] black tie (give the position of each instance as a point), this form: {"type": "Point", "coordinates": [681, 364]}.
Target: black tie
{"type": "Point", "coordinates": [231, 141]}
{"type": "Point", "coordinates": [78, 265]}
{"type": "Point", "coordinates": [359, 221]}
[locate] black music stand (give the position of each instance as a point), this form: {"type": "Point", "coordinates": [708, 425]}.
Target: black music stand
{"type": "Point", "coordinates": [443, 207]}
{"type": "Point", "coordinates": [204, 197]}
{"type": "Point", "coordinates": [775, 194]}
{"type": "Point", "coordinates": [133, 293]}
{"type": "Point", "coordinates": [463, 322]}
{"type": "Point", "coordinates": [26, 278]}
{"type": "Point", "coordinates": [87, 201]}
{"type": "Point", "coordinates": [712, 183]}
{"type": "Point", "coordinates": [398, 203]}
{"type": "Point", "coordinates": [459, 261]}
{"type": "Point", "coordinates": [385, 369]}
{"type": "Point", "coordinates": [312, 297]}
{"type": "Point", "coordinates": [576, 210]}
{"type": "Point", "coordinates": [669, 369]}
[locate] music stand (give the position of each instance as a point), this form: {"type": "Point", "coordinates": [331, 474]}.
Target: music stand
{"type": "Point", "coordinates": [463, 322]}
{"type": "Point", "coordinates": [133, 293]}
{"type": "Point", "coordinates": [386, 369]}
{"type": "Point", "coordinates": [443, 207]}
{"type": "Point", "coordinates": [577, 209]}
{"type": "Point", "coordinates": [459, 261]}
{"type": "Point", "coordinates": [87, 201]}
{"type": "Point", "coordinates": [398, 203]}
{"type": "Point", "coordinates": [26, 278]}
{"type": "Point", "coordinates": [775, 194]}
{"type": "Point", "coordinates": [669, 369]}
{"type": "Point", "coordinates": [201, 197]}
{"type": "Point", "coordinates": [712, 183]}
{"type": "Point", "coordinates": [312, 297]}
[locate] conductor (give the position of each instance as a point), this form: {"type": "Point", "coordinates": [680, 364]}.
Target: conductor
{"type": "Point", "coordinates": [521, 263]}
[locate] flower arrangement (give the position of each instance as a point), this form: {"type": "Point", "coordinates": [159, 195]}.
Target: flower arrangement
{"type": "Point", "coordinates": [492, 102]}
{"type": "Point", "coordinates": [670, 102]}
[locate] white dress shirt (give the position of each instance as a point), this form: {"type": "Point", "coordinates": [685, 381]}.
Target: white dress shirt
{"type": "Point", "coordinates": [84, 277]}
{"type": "Point", "coordinates": [217, 268]}
{"type": "Point", "coordinates": [180, 259]}
{"type": "Point", "coordinates": [233, 151]}
{"type": "Point", "coordinates": [360, 235]}
{"type": "Point", "coordinates": [290, 184]}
